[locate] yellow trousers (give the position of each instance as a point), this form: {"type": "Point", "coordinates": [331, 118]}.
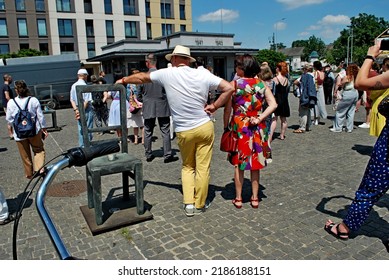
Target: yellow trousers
{"type": "Point", "coordinates": [196, 152]}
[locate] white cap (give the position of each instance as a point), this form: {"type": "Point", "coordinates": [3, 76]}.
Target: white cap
{"type": "Point", "coordinates": [82, 71]}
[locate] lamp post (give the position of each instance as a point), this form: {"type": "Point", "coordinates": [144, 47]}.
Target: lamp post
{"type": "Point", "coordinates": [275, 38]}
{"type": "Point", "coordinates": [350, 47]}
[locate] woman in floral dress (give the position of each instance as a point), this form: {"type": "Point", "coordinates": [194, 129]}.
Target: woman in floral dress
{"type": "Point", "coordinates": [244, 114]}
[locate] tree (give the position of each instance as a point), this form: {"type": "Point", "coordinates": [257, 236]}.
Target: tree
{"type": "Point", "coordinates": [310, 45]}
{"type": "Point", "coordinates": [357, 38]}
{"type": "Point", "coordinates": [271, 57]}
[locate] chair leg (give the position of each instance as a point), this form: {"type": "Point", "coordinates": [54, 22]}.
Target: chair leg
{"type": "Point", "coordinates": [138, 170]}
{"type": "Point", "coordinates": [96, 182]}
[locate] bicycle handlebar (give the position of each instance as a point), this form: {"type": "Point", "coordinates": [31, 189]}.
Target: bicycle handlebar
{"type": "Point", "coordinates": [80, 156]}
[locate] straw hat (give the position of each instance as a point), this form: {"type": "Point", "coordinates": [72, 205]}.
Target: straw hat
{"type": "Point", "coordinates": [180, 51]}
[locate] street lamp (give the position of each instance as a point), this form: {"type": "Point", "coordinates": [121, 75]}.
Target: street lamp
{"type": "Point", "coordinates": [275, 38]}
{"type": "Point", "coordinates": [350, 49]}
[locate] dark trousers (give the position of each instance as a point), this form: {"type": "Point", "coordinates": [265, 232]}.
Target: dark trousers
{"type": "Point", "coordinates": [164, 126]}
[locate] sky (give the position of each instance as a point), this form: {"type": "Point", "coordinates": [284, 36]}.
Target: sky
{"type": "Point", "coordinates": [255, 22]}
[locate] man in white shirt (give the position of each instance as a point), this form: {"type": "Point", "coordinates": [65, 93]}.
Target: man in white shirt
{"type": "Point", "coordinates": [87, 96]}
{"type": "Point", "coordinates": [187, 92]}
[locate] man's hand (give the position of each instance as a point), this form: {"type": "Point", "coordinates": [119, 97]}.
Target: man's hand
{"type": "Point", "coordinates": [210, 109]}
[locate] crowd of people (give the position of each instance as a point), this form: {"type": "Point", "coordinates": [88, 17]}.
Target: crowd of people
{"type": "Point", "coordinates": [182, 96]}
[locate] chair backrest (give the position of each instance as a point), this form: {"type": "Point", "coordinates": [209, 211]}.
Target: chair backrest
{"type": "Point", "coordinates": [123, 113]}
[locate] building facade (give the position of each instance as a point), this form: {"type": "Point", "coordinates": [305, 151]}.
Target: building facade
{"type": "Point", "coordinates": [85, 26]}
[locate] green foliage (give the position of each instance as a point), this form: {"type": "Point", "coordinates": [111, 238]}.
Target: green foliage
{"type": "Point", "coordinates": [310, 45]}
{"type": "Point", "coordinates": [271, 57]}
{"type": "Point", "coordinates": [23, 53]}
{"type": "Point", "coordinates": [357, 38]}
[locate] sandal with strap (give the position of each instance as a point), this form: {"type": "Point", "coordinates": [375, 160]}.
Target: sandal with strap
{"type": "Point", "coordinates": [337, 233]}
{"type": "Point", "coordinates": [235, 201]}
{"type": "Point", "coordinates": [256, 202]}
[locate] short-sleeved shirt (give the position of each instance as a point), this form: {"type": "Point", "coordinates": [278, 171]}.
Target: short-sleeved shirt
{"type": "Point", "coordinates": [4, 88]}
{"type": "Point", "coordinates": [73, 93]}
{"type": "Point", "coordinates": [187, 92]}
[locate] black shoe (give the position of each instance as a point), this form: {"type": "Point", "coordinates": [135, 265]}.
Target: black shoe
{"type": "Point", "coordinates": [150, 158]}
{"type": "Point", "coordinates": [170, 159]}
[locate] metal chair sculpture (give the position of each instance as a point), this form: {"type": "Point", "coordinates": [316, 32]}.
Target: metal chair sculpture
{"type": "Point", "coordinates": [123, 162]}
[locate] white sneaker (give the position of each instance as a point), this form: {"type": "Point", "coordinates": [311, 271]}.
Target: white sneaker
{"type": "Point", "coordinates": [364, 125]}
{"type": "Point", "coordinates": [335, 130]}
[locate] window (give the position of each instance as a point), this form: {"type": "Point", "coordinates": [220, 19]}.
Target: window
{"type": "Point", "coordinates": [4, 48]}
{"type": "Point", "coordinates": [63, 6]}
{"type": "Point", "coordinates": [130, 29]}
{"type": "Point", "coordinates": [182, 11]}
{"type": "Point", "coordinates": [129, 7]}
{"type": "Point", "coordinates": [66, 47]}
{"type": "Point", "coordinates": [20, 5]}
{"type": "Point", "coordinates": [91, 50]}
{"type": "Point", "coordinates": [149, 33]}
{"type": "Point", "coordinates": [89, 28]}
{"type": "Point", "coordinates": [3, 28]}
{"type": "Point", "coordinates": [166, 10]}
{"type": "Point", "coordinates": [148, 12]}
{"type": "Point", "coordinates": [22, 27]}
{"type": "Point", "coordinates": [44, 47]}
{"type": "Point", "coordinates": [88, 6]}
{"type": "Point", "coordinates": [183, 27]}
{"type": "Point", "coordinates": [108, 7]}
{"type": "Point", "coordinates": [42, 28]}
{"type": "Point", "coordinates": [24, 46]}
{"type": "Point", "coordinates": [2, 5]}
{"type": "Point", "coordinates": [40, 5]}
{"type": "Point", "coordinates": [65, 27]}
{"type": "Point", "coordinates": [109, 28]}
{"type": "Point", "coordinates": [167, 29]}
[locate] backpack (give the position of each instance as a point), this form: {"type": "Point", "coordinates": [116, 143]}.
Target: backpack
{"type": "Point", "coordinates": [328, 81]}
{"type": "Point", "coordinates": [24, 124]}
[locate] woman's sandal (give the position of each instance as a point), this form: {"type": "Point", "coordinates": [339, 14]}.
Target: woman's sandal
{"type": "Point", "coordinates": [338, 234]}
{"type": "Point", "coordinates": [256, 202]}
{"type": "Point", "coordinates": [235, 201]}
{"type": "Point", "coordinates": [298, 131]}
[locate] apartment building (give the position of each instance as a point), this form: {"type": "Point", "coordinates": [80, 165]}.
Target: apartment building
{"type": "Point", "coordinates": [85, 26]}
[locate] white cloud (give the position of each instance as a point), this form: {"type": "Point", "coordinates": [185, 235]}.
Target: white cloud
{"type": "Point", "coordinates": [304, 34]}
{"type": "Point", "coordinates": [221, 14]}
{"type": "Point", "coordinates": [293, 4]}
{"type": "Point", "coordinates": [331, 19]}
{"type": "Point", "coordinates": [280, 25]}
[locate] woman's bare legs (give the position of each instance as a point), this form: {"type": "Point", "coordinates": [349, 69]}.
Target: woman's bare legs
{"type": "Point", "coordinates": [284, 126]}
{"type": "Point", "coordinates": [254, 176]}
{"type": "Point", "coordinates": [136, 131]}
{"type": "Point", "coordinates": [238, 177]}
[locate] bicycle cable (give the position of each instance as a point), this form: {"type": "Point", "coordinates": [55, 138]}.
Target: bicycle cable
{"type": "Point", "coordinates": [26, 195]}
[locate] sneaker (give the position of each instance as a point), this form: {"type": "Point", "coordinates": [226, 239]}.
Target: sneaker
{"type": "Point", "coordinates": [364, 125]}
{"type": "Point", "coordinates": [335, 130]}
{"type": "Point", "coordinates": [198, 211]}
{"type": "Point", "coordinates": [189, 210]}
{"type": "Point", "coordinates": [207, 204]}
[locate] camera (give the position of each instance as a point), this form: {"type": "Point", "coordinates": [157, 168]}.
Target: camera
{"type": "Point", "coordinates": [384, 44]}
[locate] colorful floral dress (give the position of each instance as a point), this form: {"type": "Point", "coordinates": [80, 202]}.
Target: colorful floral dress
{"type": "Point", "coordinates": [253, 150]}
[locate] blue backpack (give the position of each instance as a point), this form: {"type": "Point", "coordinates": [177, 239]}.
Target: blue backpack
{"type": "Point", "coordinates": [24, 124]}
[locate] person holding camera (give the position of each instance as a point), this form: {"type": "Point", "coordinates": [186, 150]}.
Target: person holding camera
{"type": "Point", "coordinates": [375, 182]}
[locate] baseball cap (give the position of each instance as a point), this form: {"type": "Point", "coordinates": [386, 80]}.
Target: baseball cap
{"type": "Point", "coordinates": [82, 71]}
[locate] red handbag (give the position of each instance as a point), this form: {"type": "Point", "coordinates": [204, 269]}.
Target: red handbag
{"type": "Point", "coordinates": [229, 141]}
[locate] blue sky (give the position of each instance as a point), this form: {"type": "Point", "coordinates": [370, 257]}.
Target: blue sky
{"type": "Point", "coordinates": [255, 21]}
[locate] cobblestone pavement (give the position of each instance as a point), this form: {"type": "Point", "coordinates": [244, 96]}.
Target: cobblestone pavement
{"type": "Point", "coordinates": [313, 177]}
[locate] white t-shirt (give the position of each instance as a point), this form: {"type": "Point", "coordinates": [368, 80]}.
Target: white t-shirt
{"type": "Point", "coordinates": [73, 92]}
{"type": "Point", "coordinates": [187, 92]}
